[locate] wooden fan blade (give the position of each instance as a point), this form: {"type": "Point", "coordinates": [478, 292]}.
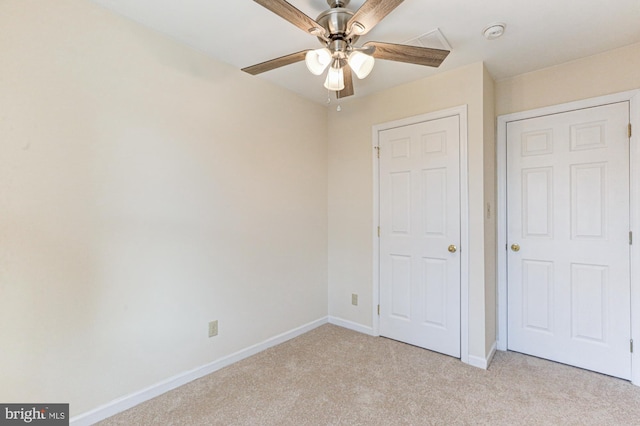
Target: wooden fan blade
{"type": "Point", "coordinates": [372, 12]}
{"type": "Point", "coordinates": [410, 54]}
{"type": "Point", "coordinates": [276, 63]}
{"type": "Point", "coordinates": [348, 83]}
{"type": "Point", "coordinates": [287, 11]}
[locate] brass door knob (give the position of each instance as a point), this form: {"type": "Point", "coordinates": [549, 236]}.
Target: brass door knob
{"type": "Point", "coordinates": [515, 247]}
{"type": "Point", "coordinates": [452, 249]}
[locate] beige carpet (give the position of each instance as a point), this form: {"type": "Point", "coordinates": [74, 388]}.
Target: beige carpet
{"type": "Point", "coordinates": [334, 376]}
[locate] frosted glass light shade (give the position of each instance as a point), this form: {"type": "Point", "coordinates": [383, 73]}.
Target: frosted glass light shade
{"type": "Point", "coordinates": [335, 79]}
{"type": "Point", "coordinates": [361, 63]}
{"type": "Point", "coordinates": [317, 60]}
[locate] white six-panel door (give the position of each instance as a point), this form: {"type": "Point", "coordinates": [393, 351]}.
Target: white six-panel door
{"type": "Point", "coordinates": [568, 235]}
{"type": "Point", "coordinates": [420, 233]}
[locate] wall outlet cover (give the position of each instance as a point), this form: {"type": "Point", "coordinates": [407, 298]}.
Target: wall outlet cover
{"type": "Point", "coordinates": [213, 328]}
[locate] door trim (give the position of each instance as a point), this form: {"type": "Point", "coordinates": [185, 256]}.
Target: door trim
{"type": "Point", "coordinates": [461, 112]}
{"type": "Point", "coordinates": [633, 97]}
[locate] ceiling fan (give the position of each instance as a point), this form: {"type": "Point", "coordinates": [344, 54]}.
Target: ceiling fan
{"type": "Point", "coordinates": [338, 29]}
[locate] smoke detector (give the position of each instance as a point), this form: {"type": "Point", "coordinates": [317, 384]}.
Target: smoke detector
{"type": "Point", "coordinates": [493, 31]}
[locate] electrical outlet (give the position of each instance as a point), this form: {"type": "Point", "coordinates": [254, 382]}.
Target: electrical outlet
{"type": "Point", "coordinates": [354, 299]}
{"type": "Point", "coordinates": [213, 328]}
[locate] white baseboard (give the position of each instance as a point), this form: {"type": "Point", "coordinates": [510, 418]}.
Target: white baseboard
{"type": "Point", "coordinates": [481, 362]}
{"type": "Point", "coordinates": [492, 352]}
{"type": "Point", "coordinates": [124, 403]}
{"type": "Point", "coordinates": [351, 325]}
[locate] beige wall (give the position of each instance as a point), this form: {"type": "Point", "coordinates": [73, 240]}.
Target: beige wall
{"type": "Point", "coordinates": [351, 188]}
{"type": "Point", "coordinates": [610, 72]}
{"type": "Point", "coordinates": [145, 189]}
{"type": "Point", "coordinates": [490, 223]}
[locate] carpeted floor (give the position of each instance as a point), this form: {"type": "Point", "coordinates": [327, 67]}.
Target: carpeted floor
{"type": "Point", "coordinates": [334, 376]}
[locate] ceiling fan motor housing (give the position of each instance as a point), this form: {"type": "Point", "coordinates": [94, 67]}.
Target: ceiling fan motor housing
{"type": "Point", "coordinates": [335, 21]}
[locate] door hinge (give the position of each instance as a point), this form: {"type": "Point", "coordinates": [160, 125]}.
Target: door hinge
{"type": "Point", "coordinates": [629, 130]}
{"type": "Point", "coordinates": [378, 310]}
{"type": "Point", "coordinates": [378, 232]}
{"type": "Point", "coordinates": [631, 345]}
{"type": "Point", "coordinates": [630, 237]}
{"type": "Point", "coordinates": [377, 148]}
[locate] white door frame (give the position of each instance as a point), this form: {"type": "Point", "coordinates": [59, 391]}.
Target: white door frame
{"type": "Point", "coordinates": [461, 112]}
{"type": "Point", "coordinates": [633, 97]}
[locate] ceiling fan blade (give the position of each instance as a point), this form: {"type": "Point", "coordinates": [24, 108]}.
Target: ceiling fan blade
{"type": "Point", "coordinates": [372, 12]}
{"type": "Point", "coordinates": [410, 54]}
{"type": "Point", "coordinates": [287, 11]}
{"type": "Point", "coordinates": [348, 83]}
{"type": "Point", "coordinates": [276, 63]}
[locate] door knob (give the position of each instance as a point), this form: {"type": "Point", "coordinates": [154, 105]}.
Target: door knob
{"type": "Point", "coordinates": [515, 247]}
{"type": "Point", "coordinates": [452, 248]}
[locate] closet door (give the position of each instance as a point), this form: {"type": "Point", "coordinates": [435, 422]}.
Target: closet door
{"type": "Point", "coordinates": [568, 237]}
{"type": "Point", "coordinates": [420, 234]}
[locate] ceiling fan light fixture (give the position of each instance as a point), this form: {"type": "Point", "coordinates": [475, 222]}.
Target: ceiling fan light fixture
{"type": "Point", "coordinates": [361, 63]}
{"type": "Point", "coordinates": [318, 60]}
{"type": "Point", "coordinates": [338, 29]}
{"type": "Point", "coordinates": [335, 78]}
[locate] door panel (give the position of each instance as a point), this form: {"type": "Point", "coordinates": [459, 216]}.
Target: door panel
{"type": "Point", "coordinates": [419, 219]}
{"type": "Point", "coordinates": [537, 194]}
{"type": "Point", "coordinates": [433, 292]}
{"type": "Point", "coordinates": [537, 293]}
{"type": "Point", "coordinates": [568, 210]}
{"type": "Point", "coordinates": [400, 287]}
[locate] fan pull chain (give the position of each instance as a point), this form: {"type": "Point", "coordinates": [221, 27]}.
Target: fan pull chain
{"type": "Point", "coordinates": [339, 108]}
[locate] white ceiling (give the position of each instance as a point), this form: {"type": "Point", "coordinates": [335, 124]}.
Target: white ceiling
{"type": "Point", "coordinates": [540, 33]}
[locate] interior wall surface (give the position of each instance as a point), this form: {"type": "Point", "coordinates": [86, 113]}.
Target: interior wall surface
{"type": "Point", "coordinates": [490, 217]}
{"type": "Point", "coordinates": [610, 72]}
{"type": "Point", "coordinates": [145, 189]}
{"type": "Point", "coordinates": [351, 183]}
